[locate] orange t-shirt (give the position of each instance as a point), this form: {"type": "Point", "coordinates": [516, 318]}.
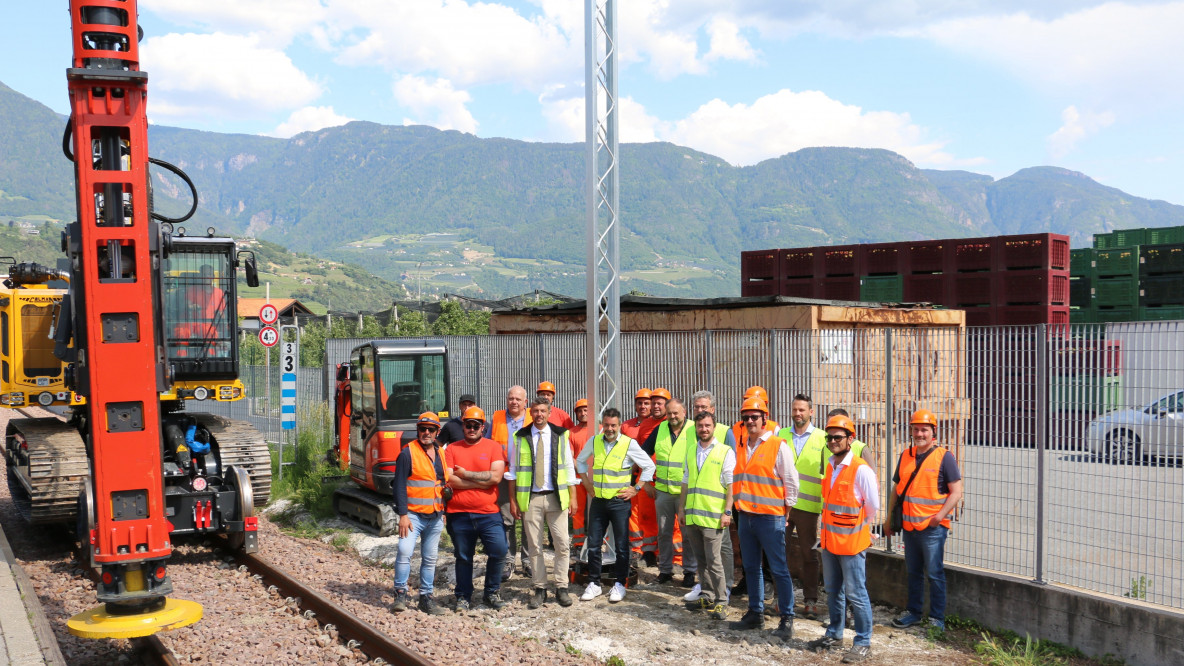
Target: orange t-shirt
{"type": "Point", "coordinates": [475, 458]}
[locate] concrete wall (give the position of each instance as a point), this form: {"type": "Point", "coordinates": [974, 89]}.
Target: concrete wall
{"type": "Point", "coordinates": [1139, 634]}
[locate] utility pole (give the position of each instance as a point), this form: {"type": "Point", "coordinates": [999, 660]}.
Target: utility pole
{"type": "Point", "coordinates": [603, 222]}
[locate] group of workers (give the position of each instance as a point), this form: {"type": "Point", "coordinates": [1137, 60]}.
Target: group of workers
{"type": "Point", "coordinates": [669, 480]}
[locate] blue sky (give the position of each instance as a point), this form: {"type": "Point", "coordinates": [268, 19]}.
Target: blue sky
{"type": "Point", "coordinates": [990, 87]}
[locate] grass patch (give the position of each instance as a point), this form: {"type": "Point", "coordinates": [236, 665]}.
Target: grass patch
{"type": "Point", "coordinates": [301, 482]}
{"type": "Point", "coordinates": [1002, 647]}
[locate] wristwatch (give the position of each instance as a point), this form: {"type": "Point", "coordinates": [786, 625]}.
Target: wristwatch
{"type": "Point", "coordinates": [638, 487]}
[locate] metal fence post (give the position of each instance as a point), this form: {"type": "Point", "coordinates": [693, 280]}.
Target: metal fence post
{"type": "Point", "coordinates": [889, 424]}
{"type": "Point", "coordinates": [542, 358]}
{"type": "Point", "coordinates": [707, 338]}
{"type": "Point", "coordinates": [1042, 414]}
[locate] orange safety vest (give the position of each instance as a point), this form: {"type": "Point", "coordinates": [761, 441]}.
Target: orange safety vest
{"type": "Point", "coordinates": [846, 527]}
{"type": "Point", "coordinates": [757, 487]}
{"type": "Point", "coordinates": [501, 431]}
{"type": "Point", "coordinates": [425, 492]}
{"type": "Point", "coordinates": [923, 501]}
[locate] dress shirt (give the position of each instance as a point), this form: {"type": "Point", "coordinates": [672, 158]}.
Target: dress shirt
{"type": "Point", "coordinates": [784, 468]}
{"type": "Point", "coordinates": [866, 489]}
{"type": "Point", "coordinates": [634, 456]}
{"type": "Point", "coordinates": [725, 475]}
{"type": "Point", "coordinates": [539, 437]}
{"type": "Point", "coordinates": [799, 441]}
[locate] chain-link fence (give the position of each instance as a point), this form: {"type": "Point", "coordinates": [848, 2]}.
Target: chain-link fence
{"type": "Point", "coordinates": [1070, 441]}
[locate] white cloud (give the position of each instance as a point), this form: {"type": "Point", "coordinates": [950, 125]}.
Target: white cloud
{"type": "Point", "coordinates": [727, 43]}
{"type": "Point", "coordinates": [465, 43]}
{"type": "Point", "coordinates": [786, 121]}
{"type": "Point", "coordinates": [1077, 126]}
{"type": "Point", "coordinates": [437, 102]}
{"type": "Point", "coordinates": [237, 77]}
{"type": "Point", "coordinates": [274, 21]}
{"type": "Point", "coordinates": [1113, 55]}
{"type": "Point", "coordinates": [309, 119]}
{"type": "Point", "coordinates": [565, 117]}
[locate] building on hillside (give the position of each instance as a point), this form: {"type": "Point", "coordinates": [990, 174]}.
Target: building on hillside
{"type": "Point", "coordinates": [289, 309]}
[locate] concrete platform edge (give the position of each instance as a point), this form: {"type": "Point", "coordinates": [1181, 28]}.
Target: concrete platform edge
{"type": "Point", "coordinates": [1139, 634]}
{"type": "Point", "coordinates": [46, 640]}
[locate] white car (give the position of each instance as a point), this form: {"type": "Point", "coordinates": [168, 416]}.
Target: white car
{"type": "Point", "coordinates": [1131, 435]}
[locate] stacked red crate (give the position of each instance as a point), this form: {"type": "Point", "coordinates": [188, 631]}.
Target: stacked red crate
{"type": "Point", "coordinates": [760, 273]}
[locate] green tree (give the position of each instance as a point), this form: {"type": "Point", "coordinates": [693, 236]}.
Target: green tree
{"type": "Point", "coordinates": [455, 320]}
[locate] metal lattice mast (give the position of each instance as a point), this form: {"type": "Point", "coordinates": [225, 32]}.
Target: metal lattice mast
{"type": "Point", "coordinates": [604, 284]}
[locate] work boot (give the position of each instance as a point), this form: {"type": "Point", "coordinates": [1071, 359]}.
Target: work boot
{"type": "Point", "coordinates": [563, 597]}
{"type": "Point", "coordinates": [906, 620]}
{"type": "Point", "coordinates": [827, 642]}
{"type": "Point", "coordinates": [810, 611]}
{"type": "Point", "coordinates": [702, 603]}
{"type": "Point", "coordinates": [538, 598]}
{"type": "Point", "coordinates": [462, 606]}
{"type": "Point", "coordinates": [428, 605]}
{"type": "Point", "coordinates": [750, 620]}
{"type": "Point", "coordinates": [664, 578]}
{"type": "Point", "coordinates": [508, 570]}
{"type": "Point", "coordinates": [784, 629]}
{"type": "Point", "coordinates": [740, 589]}
{"type": "Point", "coordinates": [719, 612]}
{"type": "Point", "coordinates": [688, 579]}
{"type": "Point", "coordinates": [857, 653]}
{"type": "Point", "coordinates": [400, 603]}
{"type": "Point", "coordinates": [651, 559]}
{"type": "Point", "coordinates": [494, 601]}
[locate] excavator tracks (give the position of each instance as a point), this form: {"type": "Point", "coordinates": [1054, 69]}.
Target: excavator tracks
{"type": "Point", "coordinates": [47, 465]}
{"type": "Point", "coordinates": [241, 445]}
{"type": "Point", "coordinates": [366, 510]}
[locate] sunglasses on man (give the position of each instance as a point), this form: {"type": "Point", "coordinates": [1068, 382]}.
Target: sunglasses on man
{"type": "Point", "coordinates": [751, 417]}
{"type": "Point", "coordinates": [427, 429]}
{"type": "Point", "coordinates": [836, 438]}
{"type": "Point", "coordinates": [474, 425]}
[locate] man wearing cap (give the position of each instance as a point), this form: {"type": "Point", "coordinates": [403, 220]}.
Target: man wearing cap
{"type": "Point", "coordinates": [542, 480]}
{"type": "Point", "coordinates": [606, 466]}
{"type": "Point", "coordinates": [643, 518]}
{"type": "Point", "coordinates": [850, 500]}
{"type": "Point", "coordinates": [420, 477]}
{"type": "Point", "coordinates": [765, 487]}
{"type": "Point", "coordinates": [477, 465]}
{"type": "Point", "coordinates": [578, 437]}
{"type": "Point", "coordinates": [558, 417]}
{"type": "Point", "coordinates": [501, 429]}
{"type": "Point", "coordinates": [641, 405]}
{"type": "Point", "coordinates": [454, 430]}
{"type": "Point", "coordinates": [927, 499]}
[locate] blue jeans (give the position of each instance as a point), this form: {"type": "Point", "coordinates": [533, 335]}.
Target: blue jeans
{"type": "Point", "coordinates": [846, 581]}
{"type": "Point", "coordinates": [924, 551]}
{"type": "Point", "coordinates": [466, 529]}
{"type": "Point", "coordinates": [602, 513]}
{"type": "Point", "coordinates": [427, 529]}
{"type": "Point", "coordinates": [760, 533]}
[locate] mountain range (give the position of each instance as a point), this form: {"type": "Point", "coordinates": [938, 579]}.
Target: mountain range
{"type": "Point", "coordinates": [492, 216]}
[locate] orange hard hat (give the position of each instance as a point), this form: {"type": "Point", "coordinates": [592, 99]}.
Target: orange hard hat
{"type": "Point", "coordinates": [840, 421]}
{"type": "Point", "coordinates": [428, 418]}
{"type": "Point", "coordinates": [923, 417]}
{"type": "Point", "coordinates": [474, 413]}
{"type": "Point", "coordinates": [756, 392]}
{"type": "Point", "coordinates": [581, 403]}
{"type": "Point", "coordinates": [660, 393]}
{"type": "Point", "coordinates": [756, 404]}
{"type": "Point", "coordinates": [643, 394]}
{"type": "Point", "coordinates": [545, 386]}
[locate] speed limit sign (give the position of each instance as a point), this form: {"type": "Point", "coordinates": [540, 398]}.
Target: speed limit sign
{"type": "Point", "coordinates": [268, 314]}
{"type": "Point", "coordinates": [268, 336]}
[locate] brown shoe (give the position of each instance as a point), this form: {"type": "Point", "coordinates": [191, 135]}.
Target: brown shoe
{"type": "Point", "coordinates": [810, 612]}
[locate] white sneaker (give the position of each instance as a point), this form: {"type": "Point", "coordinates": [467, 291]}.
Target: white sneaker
{"type": "Point", "coordinates": [617, 593]}
{"type": "Point", "coordinates": [591, 592]}
{"type": "Point", "coordinates": [694, 594]}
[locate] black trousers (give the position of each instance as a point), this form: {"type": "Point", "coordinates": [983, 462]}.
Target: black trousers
{"type": "Point", "coordinates": [602, 513]}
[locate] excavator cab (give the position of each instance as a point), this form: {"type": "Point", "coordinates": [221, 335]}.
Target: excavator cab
{"type": "Point", "coordinates": [390, 383]}
{"type": "Point", "coordinates": [29, 372]}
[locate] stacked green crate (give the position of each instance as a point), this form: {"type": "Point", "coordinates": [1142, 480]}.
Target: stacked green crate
{"type": "Point", "coordinates": [1070, 392]}
{"type": "Point", "coordinates": [1081, 273]}
{"type": "Point", "coordinates": [1115, 283]}
{"type": "Point", "coordinates": [882, 288]}
{"type": "Point", "coordinates": [1161, 280]}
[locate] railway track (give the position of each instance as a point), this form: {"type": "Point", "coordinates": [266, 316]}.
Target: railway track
{"type": "Point", "coordinates": [355, 633]}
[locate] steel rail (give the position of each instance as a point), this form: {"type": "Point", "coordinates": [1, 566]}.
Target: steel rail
{"type": "Point", "coordinates": [369, 640]}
